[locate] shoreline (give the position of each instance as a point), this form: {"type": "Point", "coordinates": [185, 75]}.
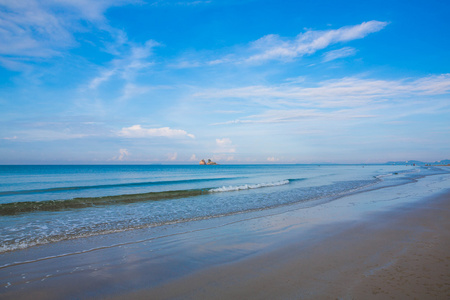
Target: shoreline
{"type": "Point", "coordinates": [352, 247]}
{"type": "Point", "coordinates": [395, 254]}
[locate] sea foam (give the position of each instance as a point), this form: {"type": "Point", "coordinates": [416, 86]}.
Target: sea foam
{"type": "Point", "coordinates": [247, 186]}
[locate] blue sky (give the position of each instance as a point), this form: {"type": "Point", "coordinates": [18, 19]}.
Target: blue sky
{"type": "Point", "coordinates": [117, 81]}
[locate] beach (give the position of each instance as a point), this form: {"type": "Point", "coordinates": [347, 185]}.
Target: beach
{"type": "Point", "coordinates": [206, 149]}
{"type": "Point", "coordinates": [379, 243]}
{"type": "Point", "coordinates": [396, 255]}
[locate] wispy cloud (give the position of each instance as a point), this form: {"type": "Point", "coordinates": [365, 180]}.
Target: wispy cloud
{"type": "Point", "coordinates": [180, 3]}
{"type": "Point", "coordinates": [137, 131]}
{"type": "Point", "coordinates": [172, 156]}
{"type": "Point", "coordinates": [348, 91]}
{"type": "Point", "coordinates": [225, 145]}
{"type": "Point", "coordinates": [50, 135]}
{"type": "Point", "coordinates": [296, 115]}
{"type": "Point", "coordinates": [126, 67]}
{"type": "Point", "coordinates": [39, 29]}
{"type": "Point", "coordinates": [272, 47]}
{"type": "Point", "coordinates": [350, 99]}
{"type": "Point", "coordinates": [105, 75]}
{"type": "Point", "coordinates": [339, 53]}
{"type": "Point", "coordinates": [27, 130]}
{"type": "Point", "coordinates": [10, 138]}
{"type": "Point", "coordinates": [124, 71]}
{"type": "Point", "coordinates": [123, 154]}
{"type": "Point", "coordinates": [29, 29]}
{"type": "Point", "coordinates": [132, 90]}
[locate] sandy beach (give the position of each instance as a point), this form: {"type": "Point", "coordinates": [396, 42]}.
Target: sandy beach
{"type": "Point", "coordinates": [206, 149]}
{"type": "Point", "coordinates": [390, 243]}
{"type": "Point", "coordinates": [396, 255]}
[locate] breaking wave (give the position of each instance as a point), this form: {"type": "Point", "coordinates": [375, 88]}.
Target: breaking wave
{"type": "Point", "coordinates": [248, 186]}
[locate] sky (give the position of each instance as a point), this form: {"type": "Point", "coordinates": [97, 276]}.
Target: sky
{"type": "Point", "coordinates": [236, 81]}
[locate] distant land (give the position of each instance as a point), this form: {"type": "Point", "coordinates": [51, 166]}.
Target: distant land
{"type": "Point", "coordinates": [420, 163]}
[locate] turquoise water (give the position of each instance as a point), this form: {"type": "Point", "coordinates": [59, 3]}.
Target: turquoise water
{"type": "Point", "coordinates": [45, 204]}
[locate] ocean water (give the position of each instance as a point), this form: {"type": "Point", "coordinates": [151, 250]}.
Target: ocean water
{"type": "Point", "coordinates": [47, 204]}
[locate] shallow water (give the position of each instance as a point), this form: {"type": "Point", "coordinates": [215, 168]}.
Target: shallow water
{"type": "Point", "coordinates": [44, 204]}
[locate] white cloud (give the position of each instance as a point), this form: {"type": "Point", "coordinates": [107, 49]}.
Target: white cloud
{"type": "Point", "coordinates": [343, 92]}
{"type": "Point", "coordinates": [193, 158]}
{"type": "Point", "coordinates": [275, 47]}
{"type": "Point", "coordinates": [431, 85]}
{"type": "Point", "coordinates": [104, 76]}
{"type": "Point", "coordinates": [339, 53]}
{"type": "Point", "coordinates": [28, 28]}
{"type": "Point", "coordinates": [57, 129]}
{"type": "Point", "coordinates": [180, 3]}
{"type": "Point", "coordinates": [51, 135]}
{"type": "Point", "coordinates": [351, 98]}
{"type": "Point", "coordinates": [126, 67]}
{"type": "Point", "coordinates": [225, 145]}
{"type": "Point", "coordinates": [172, 156]}
{"type": "Point", "coordinates": [228, 111]}
{"type": "Point", "coordinates": [192, 3]}
{"type": "Point", "coordinates": [10, 138]}
{"type": "Point", "coordinates": [295, 115]}
{"type": "Point", "coordinates": [123, 154]}
{"type": "Point", "coordinates": [131, 90]}
{"type": "Point", "coordinates": [136, 131]}
{"type": "Point", "coordinates": [36, 29]}
{"type": "Point", "coordinates": [272, 159]}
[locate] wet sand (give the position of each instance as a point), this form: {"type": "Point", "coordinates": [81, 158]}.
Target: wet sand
{"type": "Point", "coordinates": [402, 254]}
{"type": "Point", "coordinates": [382, 244]}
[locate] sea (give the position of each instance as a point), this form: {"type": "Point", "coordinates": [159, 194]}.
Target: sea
{"type": "Point", "coordinates": [44, 204]}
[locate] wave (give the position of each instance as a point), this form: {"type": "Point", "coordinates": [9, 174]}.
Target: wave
{"type": "Point", "coordinates": [75, 203]}
{"type": "Point", "coordinates": [247, 186]}
{"type": "Point", "coordinates": [131, 184]}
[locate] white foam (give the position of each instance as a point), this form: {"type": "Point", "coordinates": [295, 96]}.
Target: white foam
{"type": "Point", "coordinates": [405, 172]}
{"type": "Point", "coordinates": [383, 175]}
{"type": "Point", "coordinates": [247, 186]}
